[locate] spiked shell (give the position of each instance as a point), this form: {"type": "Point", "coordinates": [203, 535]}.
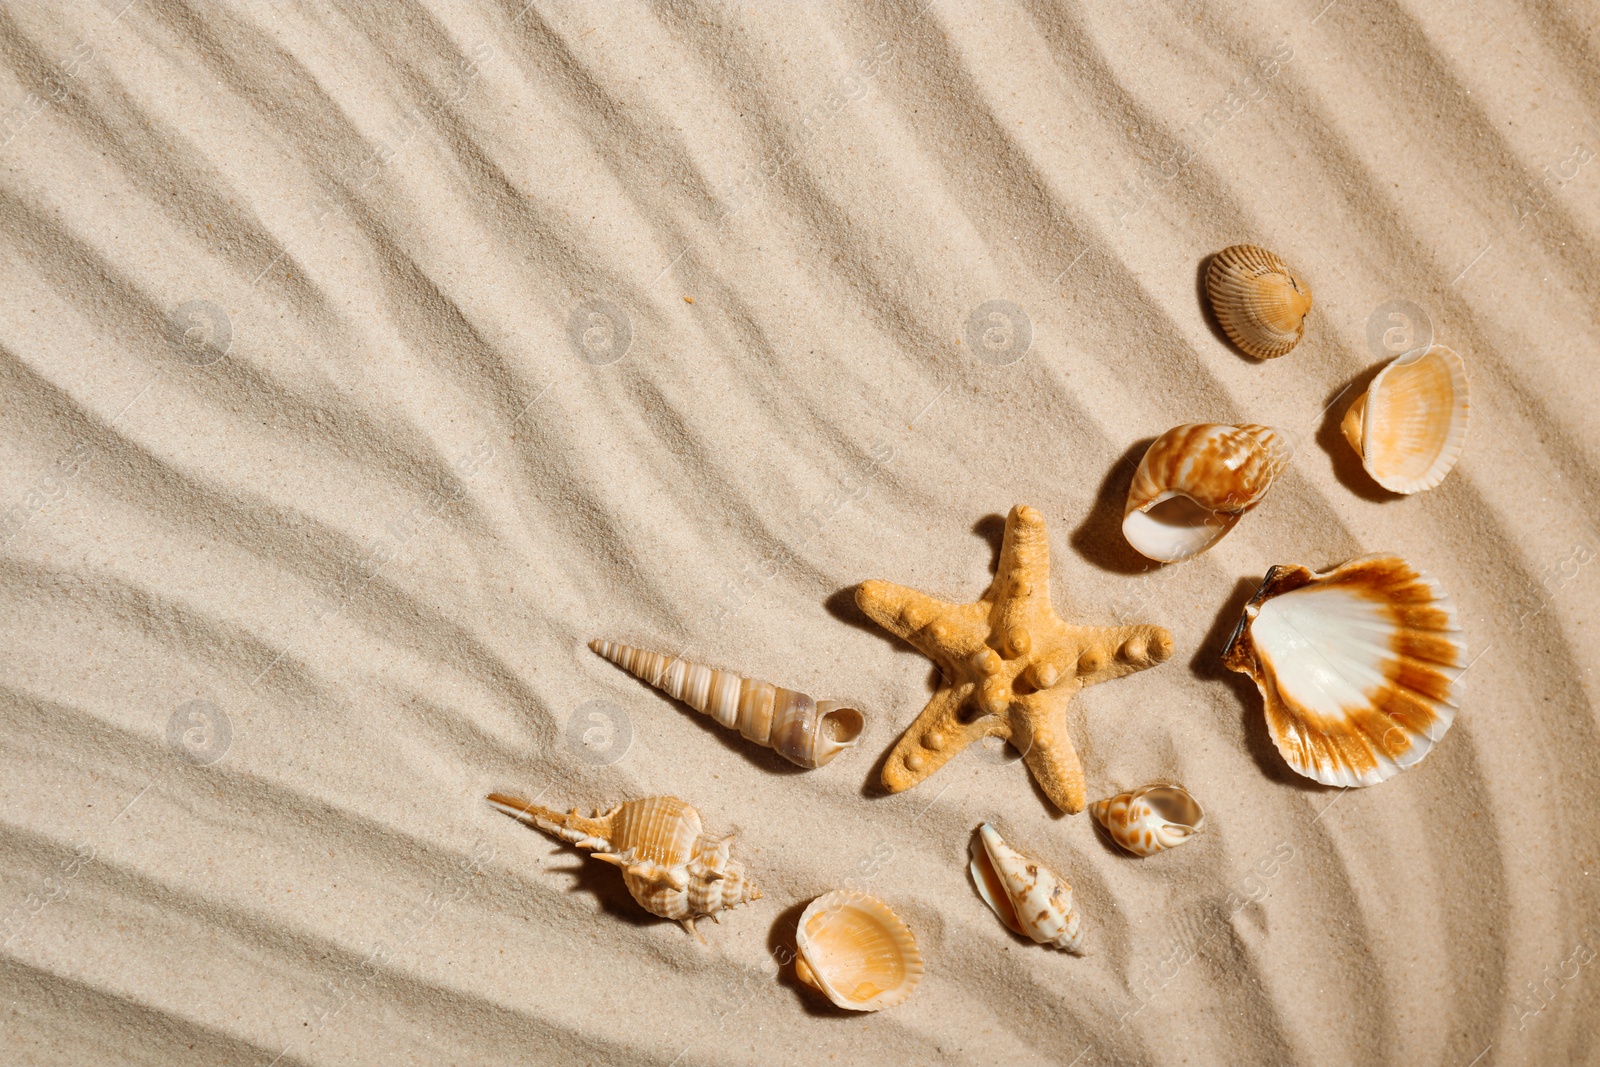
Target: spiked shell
{"type": "Point", "coordinates": [857, 952]}
{"type": "Point", "coordinates": [801, 730]}
{"type": "Point", "coordinates": [1411, 424]}
{"type": "Point", "coordinates": [1359, 667]}
{"type": "Point", "coordinates": [1029, 897]}
{"type": "Point", "coordinates": [670, 865]}
{"type": "Point", "coordinates": [1195, 483]}
{"type": "Point", "coordinates": [1147, 820]}
{"type": "Point", "coordinates": [1260, 303]}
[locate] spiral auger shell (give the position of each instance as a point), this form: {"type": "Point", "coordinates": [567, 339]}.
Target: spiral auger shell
{"type": "Point", "coordinates": [802, 730]}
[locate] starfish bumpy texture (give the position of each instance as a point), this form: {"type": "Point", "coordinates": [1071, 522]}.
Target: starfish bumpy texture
{"type": "Point", "coordinates": [1009, 666]}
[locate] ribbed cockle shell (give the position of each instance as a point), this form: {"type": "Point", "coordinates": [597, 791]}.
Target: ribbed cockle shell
{"type": "Point", "coordinates": [801, 730]}
{"type": "Point", "coordinates": [1029, 897]}
{"type": "Point", "coordinates": [857, 952]}
{"type": "Point", "coordinates": [1360, 667]}
{"type": "Point", "coordinates": [1195, 482]}
{"type": "Point", "coordinates": [1260, 303]}
{"type": "Point", "coordinates": [672, 867]}
{"type": "Point", "coordinates": [1410, 426]}
{"type": "Point", "coordinates": [1147, 820]}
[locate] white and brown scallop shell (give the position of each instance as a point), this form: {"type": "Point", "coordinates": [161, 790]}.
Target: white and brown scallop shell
{"type": "Point", "coordinates": [1360, 667]}
{"type": "Point", "coordinates": [1149, 819]}
{"type": "Point", "coordinates": [1195, 483]}
{"type": "Point", "coordinates": [1029, 897]}
{"type": "Point", "coordinates": [801, 730]}
{"type": "Point", "coordinates": [1410, 426]}
{"type": "Point", "coordinates": [857, 952]}
{"type": "Point", "coordinates": [670, 865]}
{"type": "Point", "coordinates": [1260, 303]}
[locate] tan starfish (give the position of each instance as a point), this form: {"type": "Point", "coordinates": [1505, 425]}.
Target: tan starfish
{"type": "Point", "coordinates": [1009, 665]}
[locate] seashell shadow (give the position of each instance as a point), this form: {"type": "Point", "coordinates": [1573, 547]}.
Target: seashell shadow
{"type": "Point", "coordinates": [1209, 314]}
{"type": "Point", "coordinates": [1098, 538]}
{"type": "Point", "coordinates": [1207, 665]}
{"type": "Point", "coordinates": [782, 940]}
{"type": "Point", "coordinates": [1330, 438]}
{"type": "Point", "coordinates": [601, 881]}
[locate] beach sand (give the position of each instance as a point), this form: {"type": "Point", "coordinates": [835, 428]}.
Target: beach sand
{"type": "Point", "coordinates": [362, 362]}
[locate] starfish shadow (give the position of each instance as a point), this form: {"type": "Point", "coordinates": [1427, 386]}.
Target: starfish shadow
{"type": "Point", "coordinates": [1207, 664]}
{"type": "Point", "coordinates": [992, 528]}
{"type": "Point", "coordinates": [1330, 438]}
{"type": "Point", "coordinates": [841, 604]}
{"type": "Point", "coordinates": [1098, 538]}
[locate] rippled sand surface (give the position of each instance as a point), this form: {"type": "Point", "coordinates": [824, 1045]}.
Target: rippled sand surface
{"type": "Point", "coordinates": [361, 362]}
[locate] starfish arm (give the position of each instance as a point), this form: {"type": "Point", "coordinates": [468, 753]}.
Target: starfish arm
{"type": "Point", "coordinates": [1115, 651]}
{"type": "Point", "coordinates": [1039, 728]}
{"type": "Point", "coordinates": [1024, 555]}
{"type": "Point", "coordinates": [945, 633]}
{"type": "Point", "coordinates": [937, 734]}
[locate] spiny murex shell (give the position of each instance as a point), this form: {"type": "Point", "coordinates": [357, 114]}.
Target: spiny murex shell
{"type": "Point", "coordinates": [857, 952]}
{"type": "Point", "coordinates": [1195, 482]}
{"type": "Point", "coordinates": [1260, 303]}
{"type": "Point", "coordinates": [801, 730]}
{"type": "Point", "coordinates": [1359, 667]}
{"type": "Point", "coordinates": [1149, 819]}
{"type": "Point", "coordinates": [672, 867]}
{"type": "Point", "coordinates": [1411, 424]}
{"type": "Point", "coordinates": [1029, 897]}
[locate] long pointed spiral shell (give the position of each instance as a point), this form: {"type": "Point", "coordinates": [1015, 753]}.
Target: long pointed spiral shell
{"type": "Point", "coordinates": [670, 865]}
{"type": "Point", "coordinates": [857, 952]}
{"type": "Point", "coordinates": [1029, 897]}
{"type": "Point", "coordinates": [801, 730]}
{"type": "Point", "coordinates": [1260, 303]}
{"type": "Point", "coordinates": [1148, 820]}
{"type": "Point", "coordinates": [1194, 484]}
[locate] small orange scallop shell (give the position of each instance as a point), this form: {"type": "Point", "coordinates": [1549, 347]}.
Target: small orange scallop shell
{"type": "Point", "coordinates": [1259, 301]}
{"type": "Point", "coordinates": [1411, 424]}
{"type": "Point", "coordinates": [1359, 667]}
{"type": "Point", "coordinates": [1148, 820]}
{"type": "Point", "coordinates": [857, 952]}
{"type": "Point", "coordinates": [1195, 482]}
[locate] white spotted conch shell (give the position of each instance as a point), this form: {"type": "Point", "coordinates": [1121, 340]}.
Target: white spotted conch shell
{"type": "Point", "coordinates": [1359, 667]}
{"type": "Point", "coordinates": [801, 730]}
{"type": "Point", "coordinates": [1411, 424]}
{"type": "Point", "coordinates": [672, 867]}
{"type": "Point", "coordinates": [1195, 482]}
{"type": "Point", "coordinates": [1260, 303]}
{"type": "Point", "coordinates": [1150, 819]}
{"type": "Point", "coordinates": [1029, 897]}
{"type": "Point", "coordinates": [856, 952]}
